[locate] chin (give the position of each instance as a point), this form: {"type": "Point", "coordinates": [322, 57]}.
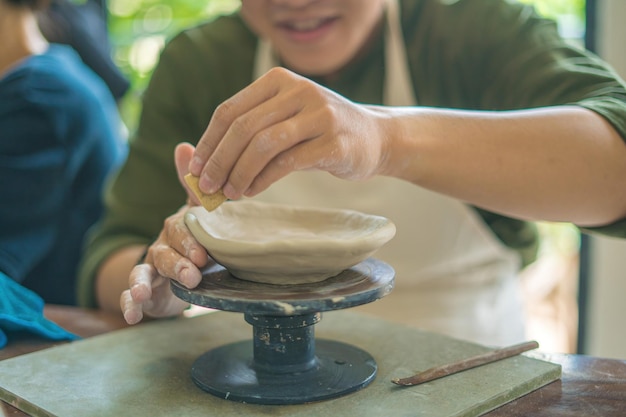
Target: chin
{"type": "Point", "coordinates": [318, 67]}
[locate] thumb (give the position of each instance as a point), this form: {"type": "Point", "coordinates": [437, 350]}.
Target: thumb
{"type": "Point", "coordinates": [182, 156]}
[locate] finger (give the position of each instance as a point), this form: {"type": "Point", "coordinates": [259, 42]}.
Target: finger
{"type": "Point", "coordinates": [306, 155]}
{"type": "Point", "coordinates": [177, 242]}
{"type": "Point", "coordinates": [169, 263]}
{"type": "Point", "coordinates": [140, 282]}
{"type": "Point", "coordinates": [266, 146]}
{"type": "Point", "coordinates": [248, 133]}
{"type": "Point", "coordinates": [139, 295]}
{"type": "Point", "coordinates": [224, 115]}
{"type": "Point", "coordinates": [182, 157]}
{"type": "Point", "coordinates": [303, 143]}
{"type": "Point", "coordinates": [133, 312]}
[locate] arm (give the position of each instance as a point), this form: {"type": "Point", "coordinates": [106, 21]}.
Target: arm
{"type": "Point", "coordinates": [564, 163]}
{"type": "Point", "coordinates": [112, 277]}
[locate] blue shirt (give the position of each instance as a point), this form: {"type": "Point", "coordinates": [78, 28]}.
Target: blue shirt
{"type": "Point", "coordinates": [60, 137]}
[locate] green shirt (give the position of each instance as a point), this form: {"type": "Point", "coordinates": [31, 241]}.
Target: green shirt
{"type": "Point", "coordinates": [466, 54]}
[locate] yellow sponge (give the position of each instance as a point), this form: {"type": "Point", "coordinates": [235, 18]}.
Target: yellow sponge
{"type": "Point", "coordinates": [209, 201]}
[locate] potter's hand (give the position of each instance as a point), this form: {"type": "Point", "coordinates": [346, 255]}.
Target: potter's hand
{"type": "Point", "coordinates": [174, 255]}
{"type": "Point", "coordinates": [282, 123]}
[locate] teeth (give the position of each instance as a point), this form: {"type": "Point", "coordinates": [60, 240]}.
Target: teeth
{"type": "Point", "coordinates": [306, 25]}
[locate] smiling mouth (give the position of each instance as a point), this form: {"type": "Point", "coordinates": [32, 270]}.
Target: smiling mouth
{"type": "Point", "coordinates": [309, 25]}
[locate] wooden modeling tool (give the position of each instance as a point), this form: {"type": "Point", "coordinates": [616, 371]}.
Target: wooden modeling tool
{"type": "Point", "coordinates": [465, 364]}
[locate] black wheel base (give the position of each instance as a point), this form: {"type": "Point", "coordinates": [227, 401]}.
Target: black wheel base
{"type": "Point", "coordinates": [337, 369]}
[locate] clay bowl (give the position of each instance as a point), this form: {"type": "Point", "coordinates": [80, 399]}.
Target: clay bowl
{"type": "Point", "coordinates": [285, 245]}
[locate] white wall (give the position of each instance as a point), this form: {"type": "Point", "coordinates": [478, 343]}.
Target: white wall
{"type": "Point", "coordinates": [606, 321]}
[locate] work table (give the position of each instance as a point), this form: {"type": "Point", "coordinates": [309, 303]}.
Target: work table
{"type": "Point", "coordinates": [589, 386]}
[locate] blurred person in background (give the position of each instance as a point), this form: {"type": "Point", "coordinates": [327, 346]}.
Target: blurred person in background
{"type": "Point", "coordinates": [60, 138]}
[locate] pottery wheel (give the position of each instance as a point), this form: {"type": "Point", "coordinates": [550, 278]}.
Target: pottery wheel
{"type": "Point", "coordinates": [284, 363]}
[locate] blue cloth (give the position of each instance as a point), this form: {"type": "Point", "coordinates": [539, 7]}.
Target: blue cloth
{"type": "Point", "coordinates": [60, 138]}
{"type": "Point", "coordinates": [21, 310]}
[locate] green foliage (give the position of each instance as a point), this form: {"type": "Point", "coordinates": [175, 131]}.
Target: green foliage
{"type": "Point", "coordinates": [140, 28]}
{"type": "Point", "coordinates": [556, 8]}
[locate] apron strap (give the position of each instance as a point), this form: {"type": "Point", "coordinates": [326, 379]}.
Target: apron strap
{"type": "Point", "coordinates": [398, 87]}
{"type": "Point", "coordinates": [264, 59]}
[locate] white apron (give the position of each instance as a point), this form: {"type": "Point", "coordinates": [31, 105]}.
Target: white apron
{"type": "Point", "coordinates": [453, 276]}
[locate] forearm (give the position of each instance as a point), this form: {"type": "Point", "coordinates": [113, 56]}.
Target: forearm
{"type": "Point", "coordinates": [112, 278]}
{"type": "Point", "coordinates": [555, 164]}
